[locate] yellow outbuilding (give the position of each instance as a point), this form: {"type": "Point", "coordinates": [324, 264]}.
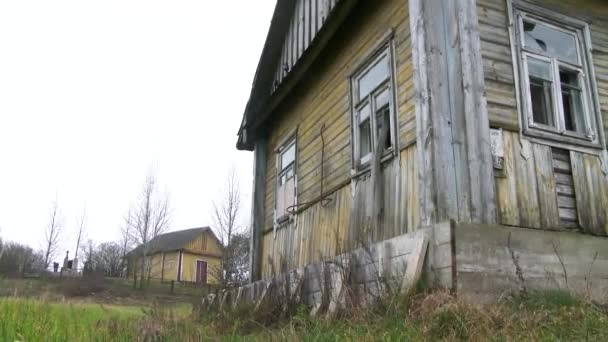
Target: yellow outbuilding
{"type": "Point", "coordinates": [191, 255]}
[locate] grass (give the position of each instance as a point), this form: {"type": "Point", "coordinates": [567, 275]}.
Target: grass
{"type": "Point", "coordinates": [539, 316]}
{"type": "Point", "coordinates": [32, 320]}
{"type": "Point", "coordinates": [542, 316]}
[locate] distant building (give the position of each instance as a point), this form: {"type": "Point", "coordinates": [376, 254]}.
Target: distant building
{"type": "Point", "coordinates": [191, 255]}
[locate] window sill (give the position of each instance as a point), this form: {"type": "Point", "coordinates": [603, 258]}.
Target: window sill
{"type": "Point", "coordinates": [366, 169]}
{"type": "Point", "coordinates": [565, 141]}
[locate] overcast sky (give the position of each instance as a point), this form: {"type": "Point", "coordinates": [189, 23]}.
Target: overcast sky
{"type": "Point", "coordinates": [93, 94]}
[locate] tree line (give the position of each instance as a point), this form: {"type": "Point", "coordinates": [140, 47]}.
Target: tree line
{"type": "Point", "coordinates": [148, 217]}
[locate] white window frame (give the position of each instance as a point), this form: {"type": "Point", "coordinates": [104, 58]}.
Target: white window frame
{"type": "Point", "coordinates": [384, 49]}
{"type": "Point", "coordinates": [591, 118]}
{"type": "Point", "coordinates": [280, 170]}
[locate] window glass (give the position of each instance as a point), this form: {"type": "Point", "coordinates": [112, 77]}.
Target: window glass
{"type": "Point", "coordinates": [382, 99]}
{"type": "Point", "coordinates": [288, 156]}
{"type": "Point", "coordinates": [571, 100]}
{"type": "Point", "coordinates": [364, 113]}
{"type": "Point", "coordinates": [541, 91]}
{"type": "Point", "coordinates": [383, 120]}
{"type": "Point", "coordinates": [540, 69]}
{"type": "Point", "coordinates": [552, 42]}
{"type": "Point", "coordinates": [365, 138]}
{"type": "Point", "coordinates": [373, 77]}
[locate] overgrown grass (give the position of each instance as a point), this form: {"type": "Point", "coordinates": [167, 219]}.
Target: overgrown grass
{"type": "Point", "coordinates": [541, 315]}
{"type": "Point", "coordinates": [545, 316]}
{"type": "Point", "coordinates": [30, 320]}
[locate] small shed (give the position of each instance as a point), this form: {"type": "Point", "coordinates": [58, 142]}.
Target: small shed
{"type": "Point", "coordinates": [190, 255]}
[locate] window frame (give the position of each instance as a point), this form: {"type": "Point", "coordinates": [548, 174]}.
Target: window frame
{"type": "Point", "coordinates": [385, 49]}
{"type": "Point", "coordinates": [284, 146]}
{"type": "Point", "coordinates": [590, 135]}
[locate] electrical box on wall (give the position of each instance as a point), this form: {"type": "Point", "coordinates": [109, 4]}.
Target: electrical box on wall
{"type": "Point", "coordinates": [498, 149]}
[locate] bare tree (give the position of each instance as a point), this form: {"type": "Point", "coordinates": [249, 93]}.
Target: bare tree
{"type": "Point", "coordinates": [81, 230]}
{"type": "Point", "coordinates": [125, 246]}
{"type": "Point", "coordinates": [88, 251]}
{"type": "Point", "coordinates": [148, 218]}
{"type": "Point", "coordinates": [226, 215]}
{"type": "Point", "coordinates": [51, 235]}
{"type": "Point", "coordinates": [107, 259]}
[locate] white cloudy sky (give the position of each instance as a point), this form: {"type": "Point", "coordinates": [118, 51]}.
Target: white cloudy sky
{"type": "Point", "coordinates": [95, 93]}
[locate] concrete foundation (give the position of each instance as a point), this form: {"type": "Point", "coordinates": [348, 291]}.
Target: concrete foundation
{"type": "Point", "coordinates": [479, 262]}
{"type": "Point", "coordinates": [493, 259]}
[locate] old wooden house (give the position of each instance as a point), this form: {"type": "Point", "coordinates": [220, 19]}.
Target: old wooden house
{"type": "Point", "coordinates": [190, 255]}
{"type": "Point", "coordinates": [483, 122]}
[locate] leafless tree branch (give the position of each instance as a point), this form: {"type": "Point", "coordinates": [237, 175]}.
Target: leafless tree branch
{"type": "Point", "coordinates": [149, 217]}
{"type": "Point", "coordinates": [51, 235]}
{"type": "Point", "coordinates": [226, 215]}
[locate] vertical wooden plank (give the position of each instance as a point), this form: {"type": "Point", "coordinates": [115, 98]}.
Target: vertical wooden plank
{"type": "Point", "coordinates": [257, 209]}
{"type": "Point", "coordinates": [597, 192]}
{"type": "Point", "coordinates": [404, 206]}
{"type": "Point", "coordinates": [322, 12]}
{"type": "Point", "coordinates": [413, 212]}
{"type": "Point", "coordinates": [313, 19]}
{"type": "Point", "coordinates": [477, 164]}
{"type": "Point", "coordinates": [584, 202]}
{"type": "Point", "coordinates": [307, 34]}
{"type": "Point", "coordinates": [547, 192]}
{"type": "Point", "coordinates": [300, 32]}
{"type": "Point", "coordinates": [506, 187]}
{"type": "Point", "coordinates": [527, 189]}
{"type": "Point", "coordinates": [292, 40]}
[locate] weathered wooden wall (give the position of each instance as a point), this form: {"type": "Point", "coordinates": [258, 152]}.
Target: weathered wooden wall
{"type": "Point", "coordinates": [189, 267]}
{"type": "Point", "coordinates": [529, 190]}
{"type": "Point", "coordinates": [205, 244]}
{"type": "Point", "coordinates": [323, 231]}
{"type": "Point", "coordinates": [323, 99]}
{"type": "Point", "coordinates": [498, 64]}
{"type": "Point", "coordinates": [539, 188]}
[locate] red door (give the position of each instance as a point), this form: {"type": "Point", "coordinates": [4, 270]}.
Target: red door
{"type": "Point", "coordinates": [201, 272]}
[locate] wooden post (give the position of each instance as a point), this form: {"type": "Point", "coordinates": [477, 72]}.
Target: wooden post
{"type": "Point", "coordinates": [172, 286]}
{"type": "Point", "coordinates": [257, 209]}
{"type": "Point", "coordinates": [453, 140]}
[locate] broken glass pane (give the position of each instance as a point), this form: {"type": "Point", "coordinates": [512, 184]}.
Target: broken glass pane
{"type": "Point", "coordinates": [552, 42]}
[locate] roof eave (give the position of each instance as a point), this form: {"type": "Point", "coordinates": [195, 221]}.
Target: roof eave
{"type": "Point", "coordinates": [257, 112]}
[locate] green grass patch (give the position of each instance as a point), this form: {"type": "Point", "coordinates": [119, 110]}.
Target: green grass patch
{"type": "Point", "coordinates": [544, 316]}
{"type": "Point", "coordinates": [32, 320]}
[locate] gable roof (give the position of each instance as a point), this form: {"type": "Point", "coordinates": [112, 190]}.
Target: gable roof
{"type": "Point", "coordinates": [298, 30]}
{"type": "Point", "coordinates": [173, 241]}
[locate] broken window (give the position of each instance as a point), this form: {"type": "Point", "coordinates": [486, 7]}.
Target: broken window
{"type": "Point", "coordinates": [373, 94]}
{"type": "Point", "coordinates": [286, 179]}
{"type": "Point", "coordinates": [557, 99]}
